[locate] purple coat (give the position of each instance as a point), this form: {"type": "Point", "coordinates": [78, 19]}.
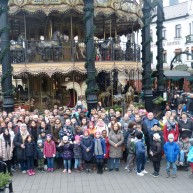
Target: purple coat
{"type": "Point", "coordinates": [67, 151]}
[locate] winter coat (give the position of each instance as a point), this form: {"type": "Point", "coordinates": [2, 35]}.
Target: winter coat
{"type": "Point", "coordinates": [131, 144]}
{"type": "Point", "coordinates": [47, 129]}
{"type": "Point", "coordinates": [66, 151]}
{"type": "Point", "coordinates": [190, 154]}
{"type": "Point", "coordinates": [188, 125]}
{"type": "Point", "coordinates": [174, 131]}
{"type": "Point", "coordinates": [156, 148]}
{"type": "Point", "coordinates": [49, 148]}
{"type": "Point", "coordinates": [87, 142]}
{"type": "Point", "coordinates": [149, 123]}
{"type": "Point", "coordinates": [34, 132]}
{"type": "Point", "coordinates": [40, 152]}
{"type": "Point", "coordinates": [140, 148]}
{"type": "Point", "coordinates": [152, 132]}
{"type": "Point", "coordinates": [6, 153]}
{"type": "Point", "coordinates": [77, 151]}
{"type": "Point", "coordinates": [107, 147]}
{"type": "Point", "coordinates": [116, 138]}
{"type": "Point", "coordinates": [171, 151]}
{"type": "Point", "coordinates": [103, 145]}
{"type": "Point", "coordinates": [30, 149]}
{"type": "Point", "coordinates": [20, 152]}
{"type": "Point", "coordinates": [184, 146]}
{"type": "Point", "coordinates": [66, 132]}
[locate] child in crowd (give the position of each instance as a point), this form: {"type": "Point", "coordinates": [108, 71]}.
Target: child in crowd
{"type": "Point", "coordinates": [156, 154]}
{"type": "Point", "coordinates": [66, 147]}
{"type": "Point", "coordinates": [140, 155]}
{"type": "Point", "coordinates": [30, 152]}
{"type": "Point", "coordinates": [190, 157]}
{"type": "Point", "coordinates": [49, 152]}
{"type": "Point", "coordinates": [171, 150]}
{"type": "Point", "coordinates": [184, 146]}
{"type": "Point", "coordinates": [40, 155]}
{"type": "Point", "coordinates": [99, 151]}
{"type": "Point", "coordinates": [131, 150]}
{"type": "Point", "coordinates": [87, 150]}
{"type": "Point", "coordinates": [139, 129]}
{"type": "Point", "coordinates": [77, 154]}
{"type": "Point", "coordinates": [104, 135]}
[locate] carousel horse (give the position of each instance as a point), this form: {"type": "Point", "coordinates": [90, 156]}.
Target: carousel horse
{"type": "Point", "coordinates": [129, 95]}
{"type": "Point", "coordinates": [105, 95]}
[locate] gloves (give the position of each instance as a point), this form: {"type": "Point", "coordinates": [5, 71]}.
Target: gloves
{"type": "Point", "coordinates": [54, 155]}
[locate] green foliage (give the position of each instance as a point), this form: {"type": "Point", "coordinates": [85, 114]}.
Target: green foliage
{"type": "Point", "coordinates": [158, 100]}
{"type": "Point", "coordinates": [4, 180]}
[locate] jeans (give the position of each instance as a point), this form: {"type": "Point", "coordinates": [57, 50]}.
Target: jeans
{"type": "Point", "coordinates": [156, 166]}
{"type": "Point", "coordinates": [173, 166]}
{"type": "Point", "coordinates": [67, 164]}
{"type": "Point", "coordinates": [182, 156]}
{"type": "Point", "coordinates": [50, 162]}
{"type": "Point", "coordinates": [30, 162]}
{"type": "Point", "coordinates": [114, 163]}
{"type": "Point", "coordinates": [140, 162]}
{"type": "Point", "coordinates": [77, 163]}
{"type": "Point", "coordinates": [23, 165]}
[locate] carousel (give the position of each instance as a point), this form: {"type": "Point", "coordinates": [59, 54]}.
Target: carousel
{"type": "Point", "coordinates": [48, 50]}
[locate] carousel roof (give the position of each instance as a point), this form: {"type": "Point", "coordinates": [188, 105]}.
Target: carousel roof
{"type": "Point", "coordinates": [124, 10]}
{"type": "Point", "coordinates": [50, 69]}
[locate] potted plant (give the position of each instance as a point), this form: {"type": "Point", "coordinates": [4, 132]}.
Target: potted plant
{"type": "Point", "coordinates": [4, 180]}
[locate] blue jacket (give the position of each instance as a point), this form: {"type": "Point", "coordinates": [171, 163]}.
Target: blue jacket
{"type": "Point", "coordinates": [103, 145]}
{"type": "Point", "coordinates": [140, 148]}
{"type": "Point", "coordinates": [150, 123]}
{"type": "Point", "coordinates": [190, 154]}
{"type": "Point", "coordinates": [171, 151]}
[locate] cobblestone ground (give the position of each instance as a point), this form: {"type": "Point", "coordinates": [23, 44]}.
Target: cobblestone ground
{"type": "Point", "coordinates": [109, 182]}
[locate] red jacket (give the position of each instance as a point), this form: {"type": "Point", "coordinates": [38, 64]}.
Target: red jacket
{"type": "Point", "coordinates": [49, 148]}
{"type": "Point", "coordinates": [107, 147]}
{"type": "Point", "coordinates": [175, 132]}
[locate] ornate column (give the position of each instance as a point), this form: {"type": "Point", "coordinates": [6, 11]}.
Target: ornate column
{"type": "Point", "coordinates": [7, 89]}
{"type": "Point", "coordinates": [159, 43]}
{"type": "Point", "coordinates": [146, 56]}
{"type": "Point", "coordinates": [92, 88]}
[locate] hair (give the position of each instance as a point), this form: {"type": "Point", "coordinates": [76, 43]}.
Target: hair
{"type": "Point", "coordinates": [131, 124]}
{"type": "Point", "coordinates": [117, 125]}
{"type": "Point", "coordinates": [26, 139]}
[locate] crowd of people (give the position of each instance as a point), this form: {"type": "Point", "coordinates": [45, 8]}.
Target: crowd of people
{"type": "Point", "coordinates": [75, 140]}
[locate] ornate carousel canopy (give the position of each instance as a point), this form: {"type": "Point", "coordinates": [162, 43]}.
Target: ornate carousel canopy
{"type": "Point", "coordinates": [50, 69]}
{"type": "Point", "coordinates": [125, 13]}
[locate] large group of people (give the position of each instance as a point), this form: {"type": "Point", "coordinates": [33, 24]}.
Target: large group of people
{"type": "Point", "coordinates": [76, 140]}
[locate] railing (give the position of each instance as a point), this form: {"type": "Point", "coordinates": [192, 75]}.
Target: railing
{"type": "Point", "coordinates": [55, 51]}
{"type": "Point", "coordinates": [189, 39]}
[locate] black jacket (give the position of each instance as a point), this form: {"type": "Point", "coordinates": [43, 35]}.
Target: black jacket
{"type": "Point", "coordinates": [156, 148]}
{"type": "Point", "coordinates": [188, 125]}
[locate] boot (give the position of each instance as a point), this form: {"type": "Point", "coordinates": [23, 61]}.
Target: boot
{"type": "Point", "coordinates": [33, 172]}
{"type": "Point", "coordinates": [29, 172]}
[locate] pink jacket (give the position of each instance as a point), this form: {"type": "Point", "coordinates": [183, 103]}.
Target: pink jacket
{"type": "Point", "coordinates": [49, 148]}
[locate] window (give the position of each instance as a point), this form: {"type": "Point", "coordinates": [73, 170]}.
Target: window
{"type": "Point", "coordinates": [178, 31]}
{"type": "Point", "coordinates": [164, 33]}
{"type": "Point", "coordinates": [165, 56]}
{"type": "Point", "coordinates": [173, 2]}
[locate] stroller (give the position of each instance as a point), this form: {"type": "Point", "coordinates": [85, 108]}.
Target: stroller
{"type": "Point", "coordinates": [3, 168]}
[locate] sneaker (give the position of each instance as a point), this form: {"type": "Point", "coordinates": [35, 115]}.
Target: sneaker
{"type": "Point", "coordinates": [110, 169]}
{"type": "Point", "coordinates": [144, 172]}
{"type": "Point", "coordinates": [155, 175]}
{"type": "Point", "coordinates": [64, 171]}
{"type": "Point", "coordinates": [117, 169]}
{"type": "Point", "coordinates": [69, 171]}
{"type": "Point", "coordinates": [51, 169]}
{"type": "Point", "coordinates": [174, 176]}
{"type": "Point", "coordinates": [33, 172]}
{"type": "Point", "coordinates": [29, 172]}
{"type": "Point", "coordinates": [140, 174]}
{"type": "Point", "coordinates": [167, 175]}
{"type": "Point", "coordinates": [24, 172]}
{"type": "Point", "coordinates": [181, 163]}
{"type": "Point", "coordinates": [89, 170]}
{"type": "Point", "coordinates": [126, 167]}
{"type": "Point", "coordinates": [134, 169]}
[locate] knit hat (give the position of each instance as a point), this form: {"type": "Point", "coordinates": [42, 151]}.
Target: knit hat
{"type": "Point", "coordinates": [170, 136]}
{"type": "Point", "coordinates": [191, 141]}
{"type": "Point", "coordinates": [65, 138]}
{"type": "Point", "coordinates": [77, 137]}
{"type": "Point", "coordinates": [49, 135]}
{"type": "Point", "coordinates": [156, 136]}
{"type": "Point", "coordinates": [39, 141]}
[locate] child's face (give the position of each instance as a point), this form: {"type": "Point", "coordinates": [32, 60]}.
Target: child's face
{"type": "Point", "coordinates": [185, 139]}
{"type": "Point", "coordinates": [43, 134]}
{"type": "Point", "coordinates": [171, 139]}
{"type": "Point", "coordinates": [29, 139]}
{"type": "Point", "coordinates": [155, 128]}
{"type": "Point", "coordinates": [40, 144]}
{"type": "Point", "coordinates": [104, 134]}
{"type": "Point", "coordinates": [97, 135]}
{"type": "Point", "coordinates": [86, 133]}
{"type": "Point", "coordinates": [48, 138]}
{"type": "Point", "coordinates": [65, 141]}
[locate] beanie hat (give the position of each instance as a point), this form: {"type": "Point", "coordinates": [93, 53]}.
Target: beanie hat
{"type": "Point", "coordinates": [39, 141]}
{"type": "Point", "coordinates": [139, 135]}
{"type": "Point", "coordinates": [65, 138]}
{"type": "Point", "coordinates": [191, 141]}
{"type": "Point", "coordinates": [156, 136]}
{"type": "Point", "coordinates": [77, 137]}
{"type": "Point", "coordinates": [170, 136]}
{"type": "Point", "coordinates": [49, 135]}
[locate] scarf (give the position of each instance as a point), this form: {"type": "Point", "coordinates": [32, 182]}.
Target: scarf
{"type": "Point", "coordinates": [7, 139]}
{"type": "Point", "coordinates": [98, 147]}
{"type": "Point", "coordinates": [171, 125]}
